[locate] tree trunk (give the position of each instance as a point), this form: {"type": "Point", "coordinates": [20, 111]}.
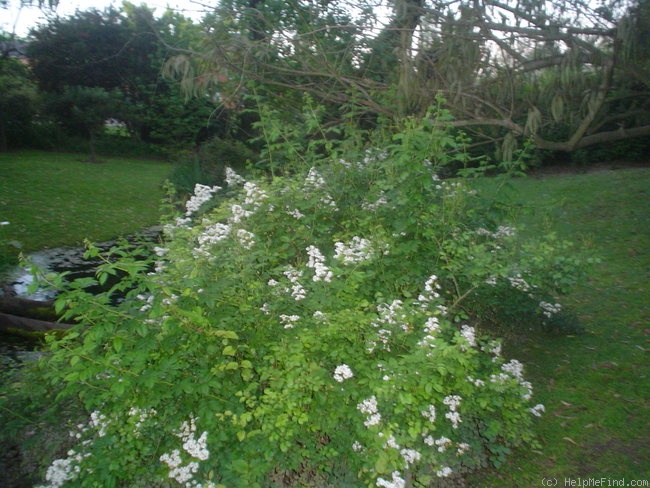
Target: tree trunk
{"type": "Point", "coordinates": [407, 18]}
{"type": "Point", "coordinates": [91, 146]}
{"type": "Point", "coordinates": [3, 137]}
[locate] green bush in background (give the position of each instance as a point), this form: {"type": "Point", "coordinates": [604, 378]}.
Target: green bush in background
{"type": "Point", "coordinates": [207, 164]}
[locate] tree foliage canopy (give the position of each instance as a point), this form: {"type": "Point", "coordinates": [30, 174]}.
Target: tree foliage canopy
{"type": "Point", "coordinates": [123, 50]}
{"type": "Point", "coordinates": [17, 98]}
{"type": "Point", "coordinates": [562, 73]}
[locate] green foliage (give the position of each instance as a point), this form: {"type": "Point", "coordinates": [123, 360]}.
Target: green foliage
{"type": "Point", "coordinates": [626, 151]}
{"type": "Point", "coordinates": [115, 145]}
{"type": "Point", "coordinates": [47, 134]}
{"type": "Point", "coordinates": [207, 165]}
{"type": "Point", "coordinates": [319, 323]}
{"type": "Point", "coordinates": [86, 49]}
{"type": "Point", "coordinates": [84, 110]}
{"type": "Point", "coordinates": [17, 102]}
{"type": "Point", "coordinates": [123, 51]}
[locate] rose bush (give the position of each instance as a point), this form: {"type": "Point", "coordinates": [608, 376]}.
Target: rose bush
{"type": "Point", "coordinates": [324, 326]}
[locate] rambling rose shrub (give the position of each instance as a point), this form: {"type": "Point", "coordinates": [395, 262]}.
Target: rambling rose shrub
{"type": "Point", "coordinates": [316, 328]}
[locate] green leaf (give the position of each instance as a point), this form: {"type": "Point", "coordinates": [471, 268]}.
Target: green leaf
{"type": "Point", "coordinates": [102, 277]}
{"type": "Point", "coordinates": [226, 334]}
{"type": "Point", "coordinates": [229, 351]}
{"type": "Point", "coordinates": [71, 377]}
{"type": "Point", "coordinates": [118, 388]}
{"type": "Point", "coordinates": [381, 465]}
{"type": "Point", "coordinates": [142, 329]}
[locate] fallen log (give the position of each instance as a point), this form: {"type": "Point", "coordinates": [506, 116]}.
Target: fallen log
{"type": "Point", "coordinates": [12, 304]}
{"type": "Point", "coordinates": [11, 323]}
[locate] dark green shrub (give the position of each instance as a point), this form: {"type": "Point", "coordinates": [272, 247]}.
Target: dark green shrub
{"type": "Point", "coordinates": [629, 150]}
{"type": "Point", "coordinates": [207, 165]}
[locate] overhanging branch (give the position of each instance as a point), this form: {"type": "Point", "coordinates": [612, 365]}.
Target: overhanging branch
{"type": "Point", "coordinates": [570, 145]}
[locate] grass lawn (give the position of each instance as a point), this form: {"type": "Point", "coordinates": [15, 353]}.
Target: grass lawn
{"type": "Point", "coordinates": [55, 199]}
{"type": "Point", "coordinates": [596, 385]}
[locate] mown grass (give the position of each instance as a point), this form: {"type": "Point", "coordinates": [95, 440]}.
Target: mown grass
{"type": "Point", "coordinates": [57, 199]}
{"type": "Point", "coordinates": [595, 385]}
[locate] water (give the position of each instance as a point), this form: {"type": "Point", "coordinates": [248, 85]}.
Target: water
{"type": "Point", "coordinates": [63, 259]}
{"type": "Point", "coordinates": [16, 350]}
{"type": "Point", "coordinates": [57, 260]}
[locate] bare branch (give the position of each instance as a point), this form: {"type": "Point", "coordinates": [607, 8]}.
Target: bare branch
{"type": "Point", "coordinates": [505, 123]}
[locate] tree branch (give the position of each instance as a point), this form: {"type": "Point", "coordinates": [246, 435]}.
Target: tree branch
{"type": "Point", "coordinates": [594, 108]}
{"type": "Point", "coordinates": [613, 136]}
{"type": "Point", "coordinates": [505, 123]}
{"type": "Point", "coordinates": [570, 145]}
{"type": "Point", "coordinates": [10, 323]}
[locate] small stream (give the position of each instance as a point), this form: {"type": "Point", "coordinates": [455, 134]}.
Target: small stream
{"type": "Point", "coordinates": [58, 260]}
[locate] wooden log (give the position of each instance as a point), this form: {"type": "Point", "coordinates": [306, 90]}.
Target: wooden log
{"type": "Point", "coordinates": [12, 304]}
{"type": "Point", "coordinates": [11, 323]}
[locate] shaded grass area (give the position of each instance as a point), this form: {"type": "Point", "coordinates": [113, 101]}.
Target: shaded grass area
{"type": "Point", "coordinates": [57, 199]}
{"type": "Point", "coordinates": [596, 385]}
